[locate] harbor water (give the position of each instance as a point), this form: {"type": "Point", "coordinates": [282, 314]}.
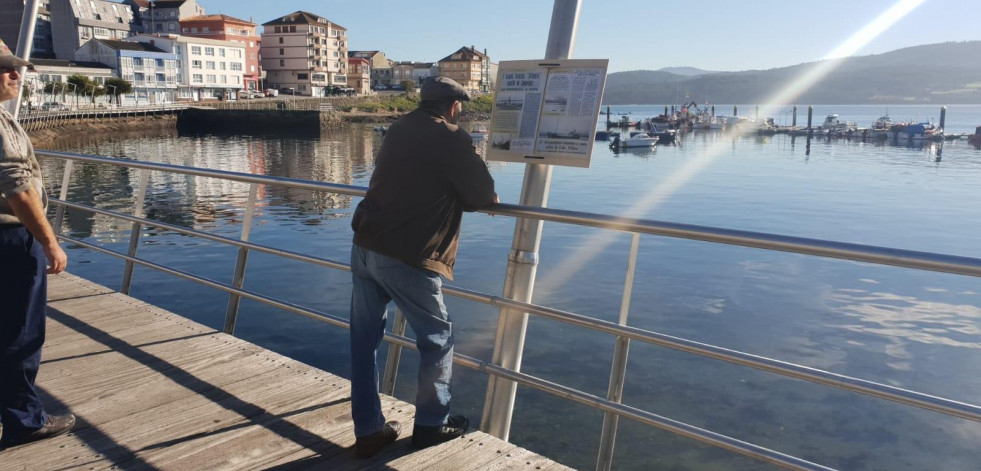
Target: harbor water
{"type": "Point", "coordinates": [911, 329]}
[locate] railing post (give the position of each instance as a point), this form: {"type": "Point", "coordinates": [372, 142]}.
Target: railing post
{"type": "Point", "coordinates": [394, 356]}
{"type": "Point", "coordinates": [238, 279]}
{"type": "Point", "coordinates": [134, 237]}
{"type": "Point", "coordinates": [618, 372]}
{"type": "Point", "coordinates": [523, 259]}
{"type": "Point", "coordinates": [63, 196]}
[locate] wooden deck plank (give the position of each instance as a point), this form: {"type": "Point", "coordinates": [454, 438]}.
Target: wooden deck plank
{"type": "Point", "coordinates": [154, 391]}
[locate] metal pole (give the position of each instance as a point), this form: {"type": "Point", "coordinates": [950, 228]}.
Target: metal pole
{"type": "Point", "coordinates": [394, 356]}
{"type": "Point", "coordinates": [134, 238]}
{"type": "Point", "coordinates": [24, 44]}
{"type": "Point", "coordinates": [238, 279]}
{"type": "Point", "coordinates": [618, 372]}
{"type": "Point", "coordinates": [63, 196]}
{"type": "Point", "coordinates": [523, 260]}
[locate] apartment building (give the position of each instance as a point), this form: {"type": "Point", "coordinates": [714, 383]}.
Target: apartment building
{"type": "Point", "coordinates": [469, 67]}
{"type": "Point", "coordinates": [151, 70]}
{"type": "Point", "coordinates": [10, 21]}
{"type": "Point", "coordinates": [164, 16]}
{"type": "Point", "coordinates": [75, 22]}
{"type": "Point", "coordinates": [207, 69]}
{"type": "Point", "coordinates": [359, 75]}
{"type": "Point", "coordinates": [304, 52]}
{"type": "Point", "coordinates": [227, 28]}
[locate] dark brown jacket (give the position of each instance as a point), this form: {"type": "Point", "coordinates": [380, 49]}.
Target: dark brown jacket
{"type": "Point", "coordinates": [426, 174]}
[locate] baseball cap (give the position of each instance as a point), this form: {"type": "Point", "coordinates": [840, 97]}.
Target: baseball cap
{"type": "Point", "coordinates": [9, 60]}
{"type": "Point", "coordinates": [443, 88]}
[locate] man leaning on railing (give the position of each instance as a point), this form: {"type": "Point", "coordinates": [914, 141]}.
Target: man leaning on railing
{"type": "Point", "coordinates": [28, 252]}
{"type": "Point", "coordinates": [406, 232]}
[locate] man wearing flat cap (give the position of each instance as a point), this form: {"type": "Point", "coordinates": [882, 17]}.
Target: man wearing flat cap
{"type": "Point", "coordinates": [406, 232]}
{"type": "Point", "coordinates": [28, 252]}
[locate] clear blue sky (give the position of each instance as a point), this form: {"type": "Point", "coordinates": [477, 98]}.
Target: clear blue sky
{"type": "Point", "coordinates": [708, 34]}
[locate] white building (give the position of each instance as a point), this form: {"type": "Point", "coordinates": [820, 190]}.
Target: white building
{"type": "Point", "coordinates": [206, 68]}
{"type": "Point", "coordinates": [75, 22]}
{"type": "Point", "coordinates": [305, 52]}
{"type": "Point", "coordinates": [152, 71]}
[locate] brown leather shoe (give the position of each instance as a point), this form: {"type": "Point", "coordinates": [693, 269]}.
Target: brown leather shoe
{"type": "Point", "coordinates": [370, 445]}
{"type": "Point", "coordinates": [55, 425]}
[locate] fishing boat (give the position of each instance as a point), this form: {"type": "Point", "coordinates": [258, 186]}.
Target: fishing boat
{"type": "Point", "coordinates": [831, 123]}
{"type": "Point", "coordinates": [925, 131]}
{"type": "Point", "coordinates": [664, 136]}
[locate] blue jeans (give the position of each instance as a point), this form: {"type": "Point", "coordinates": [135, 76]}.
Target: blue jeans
{"type": "Point", "coordinates": [23, 301]}
{"type": "Point", "coordinates": [379, 279]}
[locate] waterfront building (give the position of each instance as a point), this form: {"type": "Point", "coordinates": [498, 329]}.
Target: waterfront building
{"type": "Point", "coordinates": [359, 75]}
{"type": "Point", "coordinates": [424, 70]}
{"type": "Point", "coordinates": [75, 22]}
{"type": "Point", "coordinates": [164, 16]}
{"type": "Point", "coordinates": [10, 20]}
{"type": "Point", "coordinates": [151, 70]}
{"type": "Point", "coordinates": [381, 66]}
{"type": "Point", "coordinates": [206, 68]}
{"type": "Point", "coordinates": [57, 71]}
{"type": "Point", "coordinates": [402, 71]}
{"type": "Point", "coordinates": [227, 28]}
{"type": "Point", "coordinates": [304, 52]}
{"type": "Point", "coordinates": [470, 67]}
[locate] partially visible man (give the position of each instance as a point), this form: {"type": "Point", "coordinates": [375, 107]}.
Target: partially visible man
{"type": "Point", "coordinates": [28, 252]}
{"type": "Point", "coordinates": [406, 233]}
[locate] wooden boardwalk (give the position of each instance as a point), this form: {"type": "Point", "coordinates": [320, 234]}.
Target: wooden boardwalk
{"type": "Point", "coordinates": [153, 390]}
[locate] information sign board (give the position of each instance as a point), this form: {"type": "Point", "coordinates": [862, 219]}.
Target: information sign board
{"type": "Point", "coordinates": [545, 111]}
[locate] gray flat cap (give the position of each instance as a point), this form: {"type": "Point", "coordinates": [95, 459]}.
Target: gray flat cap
{"type": "Point", "coordinates": [442, 88]}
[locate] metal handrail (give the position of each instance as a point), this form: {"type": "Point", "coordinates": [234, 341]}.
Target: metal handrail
{"type": "Point", "coordinates": [855, 252]}
{"type": "Point", "coordinates": [882, 391]}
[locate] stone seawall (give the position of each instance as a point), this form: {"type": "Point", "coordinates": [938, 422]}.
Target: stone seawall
{"type": "Point", "coordinates": [103, 128]}
{"type": "Point", "coordinates": [288, 122]}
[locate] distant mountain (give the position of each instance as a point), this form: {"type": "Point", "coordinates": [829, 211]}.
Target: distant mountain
{"type": "Point", "coordinates": [686, 71]}
{"type": "Point", "coordinates": [945, 73]}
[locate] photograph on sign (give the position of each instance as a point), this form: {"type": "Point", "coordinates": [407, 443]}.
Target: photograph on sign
{"type": "Point", "coordinates": [546, 111]}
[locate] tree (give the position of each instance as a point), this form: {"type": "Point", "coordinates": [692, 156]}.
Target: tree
{"type": "Point", "coordinates": [118, 86]}
{"type": "Point", "coordinates": [408, 85]}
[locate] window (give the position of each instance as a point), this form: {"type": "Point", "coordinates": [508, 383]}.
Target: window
{"type": "Point", "coordinates": [292, 29]}
{"type": "Point", "coordinates": [211, 79]}
{"type": "Point", "coordinates": [280, 40]}
{"type": "Point", "coordinates": [282, 51]}
{"type": "Point", "coordinates": [209, 51]}
{"type": "Point", "coordinates": [195, 64]}
{"type": "Point", "coordinates": [160, 63]}
{"type": "Point", "coordinates": [221, 66]}
{"type": "Point", "coordinates": [302, 76]}
{"type": "Point", "coordinates": [237, 80]}
{"type": "Point", "coordinates": [172, 27]}
{"type": "Point", "coordinates": [185, 30]}
{"type": "Point", "coordinates": [282, 63]}
{"type": "Point", "coordinates": [277, 29]}
{"type": "Point", "coordinates": [235, 66]}
{"type": "Point", "coordinates": [137, 62]}
{"type": "Point", "coordinates": [205, 29]}
{"type": "Point", "coordinates": [161, 78]}
{"type": "Point", "coordinates": [196, 50]}
{"type": "Point", "coordinates": [221, 52]}
{"type": "Point", "coordinates": [210, 65]}
{"type": "Point", "coordinates": [224, 79]}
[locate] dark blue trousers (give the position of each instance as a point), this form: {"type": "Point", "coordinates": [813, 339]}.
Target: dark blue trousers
{"type": "Point", "coordinates": [23, 300]}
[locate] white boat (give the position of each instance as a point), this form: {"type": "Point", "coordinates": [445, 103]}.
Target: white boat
{"type": "Point", "coordinates": [479, 131]}
{"type": "Point", "coordinates": [831, 123]}
{"type": "Point", "coordinates": [637, 140]}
